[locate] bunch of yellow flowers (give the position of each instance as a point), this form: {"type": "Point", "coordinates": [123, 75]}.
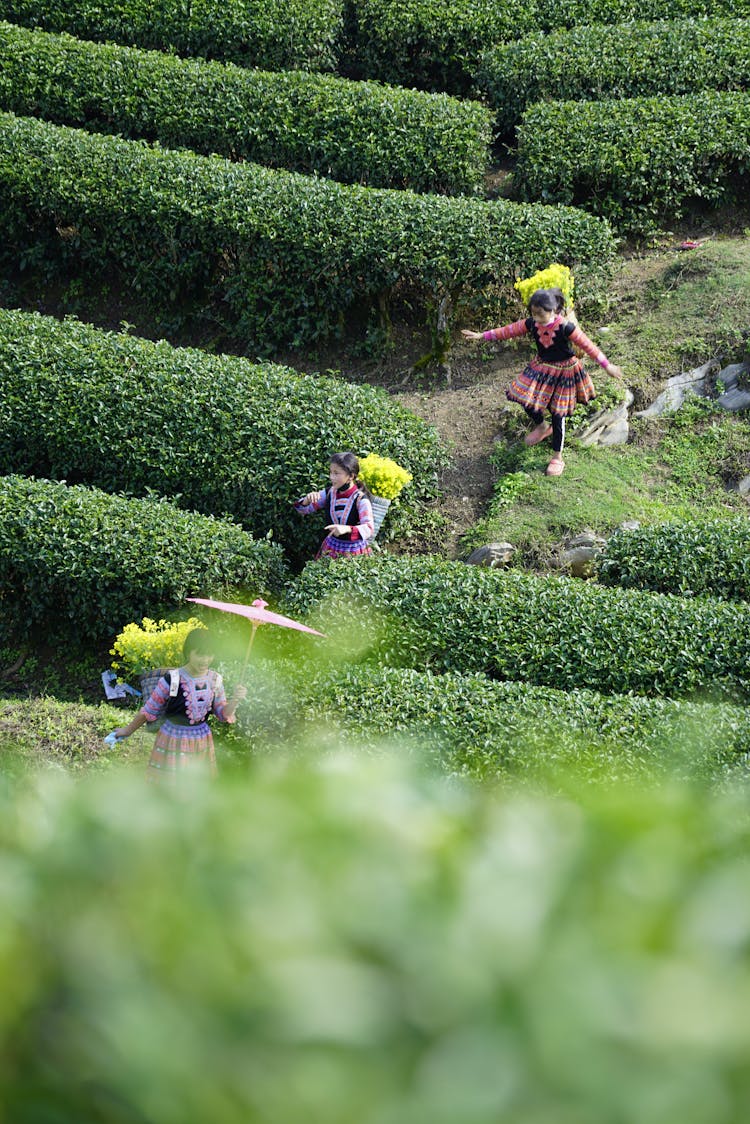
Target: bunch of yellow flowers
{"type": "Point", "coordinates": [151, 644]}
{"type": "Point", "coordinates": [553, 277]}
{"type": "Point", "coordinates": [382, 476]}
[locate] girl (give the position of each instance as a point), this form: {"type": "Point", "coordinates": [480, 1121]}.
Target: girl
{"type": "Point", "coordinates": [348, 507]}
{"type": "Point", "coordinates": [555, 379]}
{"type": "Point", "coordinates": [184, 745]}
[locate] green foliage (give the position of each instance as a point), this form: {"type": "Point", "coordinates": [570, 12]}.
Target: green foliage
{"type": "Point", "coordinates": [76, 561]}
{"type": "Point", "coordinates": [439, 44]}
{"type": "Point", "coordinates": [276, 256]}
{"type": "Point", "coordinates": [216, 433]}
{"type": "Point", "coordinates": [346, 941]}
{"type": "Point", "coordinates": [276, 34]}
{"type": "Point", "coordinates": [356, 132]}
{"type": "Point", "coordinates": [707, 558]}
{"type": "Point", "coordinates": [550, 631]}
{"type": "Point", "coordinates": [639, 160]}
{"type": "Point", "coordinates": [624, 60]}
{"type": "Point", "coordinates": [473, 726]}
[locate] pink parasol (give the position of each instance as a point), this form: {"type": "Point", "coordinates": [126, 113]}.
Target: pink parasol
{"type": "Point", "coordinates": [257, 613]}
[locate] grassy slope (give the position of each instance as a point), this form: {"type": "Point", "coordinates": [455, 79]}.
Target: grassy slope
{"type": "Point", "coordinates": [671, 311]}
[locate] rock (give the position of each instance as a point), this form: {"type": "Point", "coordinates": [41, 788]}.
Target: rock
{"type": "Point", "coordinates": [608, 427]}
{"type": "Point", "coordinates": [673, 395]}
{"type": "Point", "coordinates": [580, 561]}
{"type": "Point", "coordinates": [629, 525]}
{"type": "Point", "coordinates": [734, 397]}
{"type": "Point", "coordinates": [494, 554]}
{"type": "Point", "coordinates": [580, 553]}
{"type": "Point", "coordinates": [743, 486]}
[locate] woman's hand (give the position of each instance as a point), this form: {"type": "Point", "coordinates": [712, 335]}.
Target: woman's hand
{"type": "Point", "coordinates": [338, 529]}
{"type": "Point", "coordinates": [615, 372]}
{"type": "Point", "coordinates": [472, 335]}
{"type": "Point", "coordinates": [305, 501]}
{"type": "Point", "coordinates": [121, 732]}
{"type": "Point", "coordinates": [239, 693]}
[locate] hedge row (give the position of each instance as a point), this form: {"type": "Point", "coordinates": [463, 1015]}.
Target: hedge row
{"type": "Point", "coordinates": [639, 160]}
{"type": "Point", "coordinates": [355, 132]}
{"type": "Point", "coordinates": [218, 434]}
{"type": "Point", "coordinates": [278, 257]}
{"type": "Point", "coordinates": [276, 34]}
{"type": "Point", "coordinates": [623, 61]}
{"type": "Point", "coordinates": [438, 43]}
{"type": "Point", "coordinates": [708, 558]}
{"type": "Point", "coordinates": [76, 560]}
{"type": "Point", "coordinates": [549, 631]}
{"type": "Point", "coordinates": [474, 726]}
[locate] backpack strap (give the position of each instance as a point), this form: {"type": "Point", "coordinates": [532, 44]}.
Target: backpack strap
{"type": "Point", "coordinates": [174, 682]}
{"type": "Point", "coordinates": [218, 683]}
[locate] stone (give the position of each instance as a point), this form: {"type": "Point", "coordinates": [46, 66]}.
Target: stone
{"type": "Point", "coordinates": [630, 525]}
{"type": "Point", "coordinates": [579, 560]}
{"type": "Point", "coordinates": [676, 389]}
{"type": "Point", "coordinates": [743, 486]}
{"type": "Point", "coordinates": [608, 427]}
{"type": "Point", "coordinates": [494, 554]}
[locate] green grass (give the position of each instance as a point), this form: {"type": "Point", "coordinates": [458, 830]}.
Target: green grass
{"type": "Point", "coordinates": [673, 310]}
{"type": "Point", "coordinates": [684, 476]}
{"type": "Point", "coordinates": [45, 732]}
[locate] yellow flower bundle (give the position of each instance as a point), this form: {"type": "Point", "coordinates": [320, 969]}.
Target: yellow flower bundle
{"type": "Point", "coordinates": [139, 648]}
{"type": "Point", "coordinates": [553, 277]}
{"type": "Point", "coordinates": [382, 476]}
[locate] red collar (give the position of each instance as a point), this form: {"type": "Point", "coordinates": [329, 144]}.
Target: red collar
{"type": "Point", "coordinates": [344, 493]}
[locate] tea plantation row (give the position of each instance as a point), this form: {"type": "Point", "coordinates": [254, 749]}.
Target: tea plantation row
{"type": "Point", "coordinates": [432, 43]}
{"type": "Point", "coordinates": [277, 257]}
{"type": "Point", "coordinates": [557, 632]}
{"type": "Point", "coordinates": [219, 433]}
{"type": "Point", "coordinates": [637, 160]}
{"type": "Point", "coordinates": [76, 561]}
{"type": "Point", "coordinates": [355, 132]}
{"type": "Point", "coordinates": [477, 727]}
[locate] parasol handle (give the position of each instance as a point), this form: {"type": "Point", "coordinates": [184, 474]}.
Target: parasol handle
{"type": "Point", "coordinates": [253, 627]}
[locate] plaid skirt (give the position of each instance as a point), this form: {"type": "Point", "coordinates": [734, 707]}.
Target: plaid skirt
{"type": "Point", "coordinates": [558, 387]}
{"type": "Point", "coordinates": [334, 547]}
{"type": "Point", "coordinates": [182, 753]}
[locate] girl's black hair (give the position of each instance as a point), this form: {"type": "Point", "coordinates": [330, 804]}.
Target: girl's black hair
{"type": "Point", "coordinates": [349, 462]}
{"type": "Point", "coordinates": [200, 641]}
{"type": "Point", "coordinates": [552, 300]}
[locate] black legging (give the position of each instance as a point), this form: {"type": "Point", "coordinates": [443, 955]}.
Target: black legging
{"type": "Point", "coordinates": [558, 427]}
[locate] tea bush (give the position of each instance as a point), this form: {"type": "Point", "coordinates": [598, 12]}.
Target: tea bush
{"type": "Point", "coordinates": [356, 132]}
{"type": "Point", "coordinates": [76, 560]}
{"type": "Point", "coordinates": [345, 940]}
{"type": "Point", "coordinates": [486, 730]}
{"type": "Point", "coordinates": [711, 558]}
{"type": "Point", "coordinates": [623, 60]}
{"type": "Point", "coordinates": [274, 256]}
{"type": "Point", "coordinates": [556, 632]}
{"type": "Point", "coordinates": [438, 44]}
{"type": "Point", "coordinates": [216, 433]}
{"type": "Point", "coordinates": [276, 34]}
{"type": "Point", "coordinates": [638, 160]}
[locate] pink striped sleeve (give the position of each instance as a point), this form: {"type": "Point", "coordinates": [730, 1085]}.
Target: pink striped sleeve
{"type": "Point", "coordinates": [507, 332]}
{"type": "Point", "coordinates": [153, 708]}
{"type": "Point", "coordinates": [580, 339]}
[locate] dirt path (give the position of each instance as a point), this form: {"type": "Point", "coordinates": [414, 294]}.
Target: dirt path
{"type": "Point", "coordinates": [467, 417]}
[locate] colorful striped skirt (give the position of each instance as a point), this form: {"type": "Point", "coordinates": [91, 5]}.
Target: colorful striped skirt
{"type": "Point", "coordinates": [182, 753]}
{"type": "Point", "coordinates": [557, 387]}
{"type": "Point", "coordinates": [334, 547]}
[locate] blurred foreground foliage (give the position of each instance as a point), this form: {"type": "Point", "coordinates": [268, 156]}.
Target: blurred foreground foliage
{"type": "Point", "coordinates": [340, 938]}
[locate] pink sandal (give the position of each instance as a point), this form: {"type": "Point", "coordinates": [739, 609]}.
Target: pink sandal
{"type": "Point", "coordinates": [555, 467]}
{"type": "Point", "coordinates": [539, 433]}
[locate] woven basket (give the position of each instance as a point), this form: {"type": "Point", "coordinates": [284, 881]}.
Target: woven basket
{"type": "Point", "coordinates": [379, 509]}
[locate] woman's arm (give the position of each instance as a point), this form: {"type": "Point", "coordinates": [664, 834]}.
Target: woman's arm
{"type": "Point", "coordinates": [580, 339]}
{"type": "Point", "coordinates": [507, 332]}
{"type": "Point", "coordinates": [313, 501]}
